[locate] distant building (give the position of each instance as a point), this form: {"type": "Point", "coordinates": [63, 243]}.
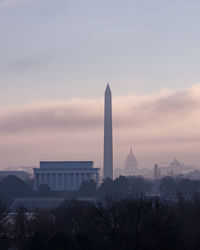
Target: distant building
{"type": "Point", "coordinates": [64, 175]}
{"type": "Point", "coordinates": [20, 174]}
{"type": "Point", "coordinates": [176, 167]}
{"type": "Point", "coordinates": [157, 172]}
{"type": "Point", "coordinates": [130, 167]}
{"type": "Point", "coordinates": [171, 173]}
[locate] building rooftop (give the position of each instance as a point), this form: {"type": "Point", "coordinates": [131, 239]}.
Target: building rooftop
{"type": "Point", "coordinates": [66, 164]}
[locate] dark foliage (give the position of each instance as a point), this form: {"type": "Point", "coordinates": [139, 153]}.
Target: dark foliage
{"type": "Point", "coordinates": [87, 189]}
{"type": "Point", "coordinates": [128, 220]}
{"type": "Point", "coordinates": [44, 190]}
{"type": "Point", "coordinates": [138, 224]}
{"type": "Point", "coordinates": [124, 187]}
{"type": "Point", "coordinates": [170, 186]}
{"type": "Point", "coordinates": [11, 187]}
{"type": "Point", "coordinates": [139, 185]}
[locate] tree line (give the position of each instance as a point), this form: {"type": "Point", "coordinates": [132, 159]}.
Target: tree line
{"type": "Point", "coordinates": [123, 217]}
{"type": "Point", "coordinates": [122, 187]}
{"type": "Point", "coordinates": [139, 224]}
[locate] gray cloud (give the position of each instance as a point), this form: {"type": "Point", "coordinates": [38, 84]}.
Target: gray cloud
{"type": "Point", "coordinates": [49, 117]}
{"type": "Point", "coordinates": [83, 114]}
{"type": "Point", "coordinates": [157, 125]}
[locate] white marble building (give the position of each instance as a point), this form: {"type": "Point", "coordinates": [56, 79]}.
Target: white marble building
{"type": "Point", "coordinates": [64, 175]}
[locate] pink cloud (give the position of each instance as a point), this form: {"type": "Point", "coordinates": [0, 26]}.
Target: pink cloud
{"type": "Point", "coordinates": [158, 126]}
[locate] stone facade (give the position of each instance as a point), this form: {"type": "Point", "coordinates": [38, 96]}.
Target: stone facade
{"type": "Point", "coordinates": [65, 175]}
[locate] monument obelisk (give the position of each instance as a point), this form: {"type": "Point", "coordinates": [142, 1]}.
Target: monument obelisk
{"type": "Point", "coordinates": [108, 141]}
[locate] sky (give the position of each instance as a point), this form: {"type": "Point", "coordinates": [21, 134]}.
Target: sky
{"type": "Point", "coordinates": [56, 58]}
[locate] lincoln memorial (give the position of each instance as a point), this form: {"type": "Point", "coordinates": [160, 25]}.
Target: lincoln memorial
{"type": "Point", "coordinates": [65, 175]}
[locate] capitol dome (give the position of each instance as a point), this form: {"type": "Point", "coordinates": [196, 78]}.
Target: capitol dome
{"type": "Point", "coordinates": [130, 166]}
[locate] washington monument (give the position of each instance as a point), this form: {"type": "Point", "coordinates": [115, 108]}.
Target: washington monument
{"type": "Point", "coordinates": [108, 141]}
